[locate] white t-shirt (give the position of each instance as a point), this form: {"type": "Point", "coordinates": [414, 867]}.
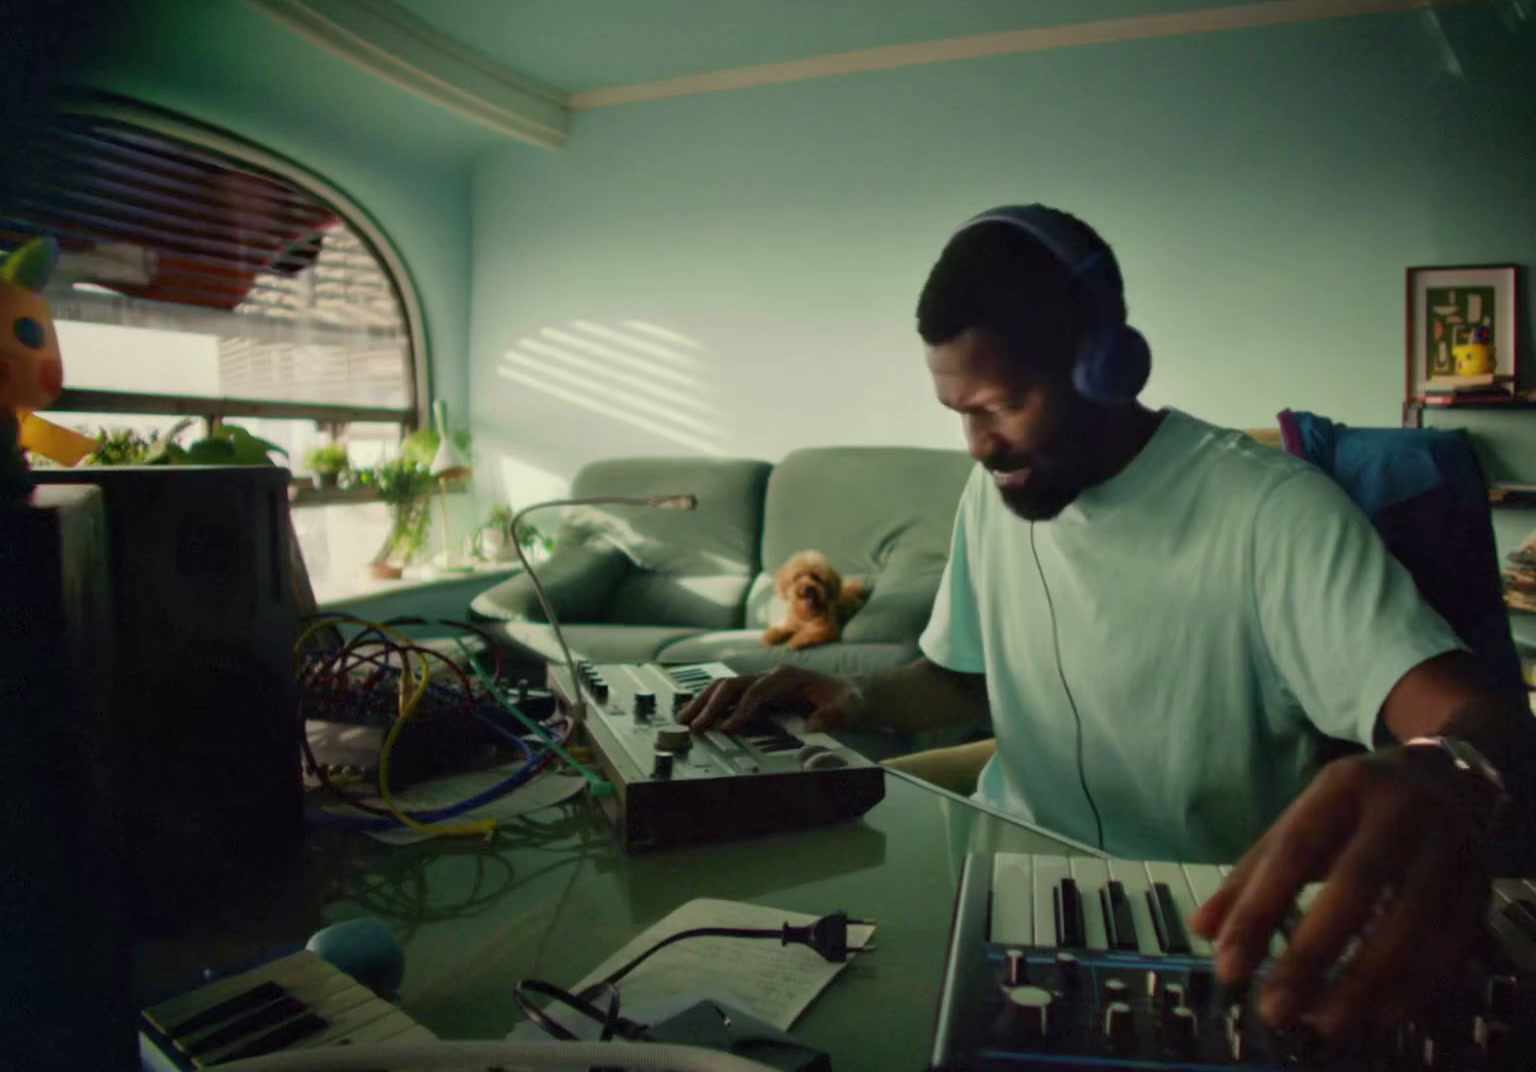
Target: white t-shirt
{"type": "Point", "coordinates": [1216, 604]}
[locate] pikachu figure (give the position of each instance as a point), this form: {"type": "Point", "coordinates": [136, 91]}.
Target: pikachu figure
{"type": "Point", "coordinates": [31, 371]}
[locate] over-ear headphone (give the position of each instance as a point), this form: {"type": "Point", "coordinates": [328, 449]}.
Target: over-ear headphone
{"type": "Point", "coordinates": [1112, 362]}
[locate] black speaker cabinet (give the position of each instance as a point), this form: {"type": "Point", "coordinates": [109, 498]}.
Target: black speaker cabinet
{"type": "Point", "coordinates": [64, 943]}
{"type": "Point", "coordinates": [204, 710]}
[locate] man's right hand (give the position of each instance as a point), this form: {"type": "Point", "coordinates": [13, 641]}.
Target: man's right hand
{"type": "Point", "coordinates": [728, 704]}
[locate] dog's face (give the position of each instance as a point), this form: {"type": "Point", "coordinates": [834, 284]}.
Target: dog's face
{"type": "Point", "coordinates": [808, 583]}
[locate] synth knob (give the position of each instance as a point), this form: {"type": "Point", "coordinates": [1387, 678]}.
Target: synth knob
{"type": "Point", "coordinates": [600, 691]}
{"type": "Point", "coordinates": [1015, 968]}
{"type": "Point", "coordinates": [1500, 997]}
{"type": "Point", "coordinates": [674, 738]}
{"type": "Point", "coordinates": [1066, 972]}
{"type": "Point", "coordinates": [1029, 1011]}
{"type": "Point", "coordinates": [663, 768]}
{"type": "Point", "coordinates": [827, 760]}
{"type": "Point", "coordinates": [1171, 997]}
{"type": "Point", "coordinates": [1119, 1027]}
{"type": "Point", "coordinates": [1491, 1038]}
{"type": "Point", "coordinates": [645, 701]}
{"type": "Point", "coordinates": [681, 700]}
{"type": "Point", "coordinates": [1115, 990]}
{"type": "Point", "coordinates": [1180, 1029]}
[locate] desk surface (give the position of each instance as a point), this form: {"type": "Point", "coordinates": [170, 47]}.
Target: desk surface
{"type": "Point", "coordinates": [554, 896]}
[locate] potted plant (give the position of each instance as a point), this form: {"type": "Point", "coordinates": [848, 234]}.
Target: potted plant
{"type": "Point", "coordinates": [406, 487]}
{"type": "Point", "coordinates": [327, 463]}
{"type": "Point", "coordinates": [493, 540]}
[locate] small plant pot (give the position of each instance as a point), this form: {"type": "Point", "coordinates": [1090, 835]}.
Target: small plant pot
{"type": "Point", "coordinates": [383, 571]}
{"type": "Point", "coordinates": [326, 481]}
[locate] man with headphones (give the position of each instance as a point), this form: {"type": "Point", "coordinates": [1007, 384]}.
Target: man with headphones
{"type": "Point", "coordinates": [1162, 621]}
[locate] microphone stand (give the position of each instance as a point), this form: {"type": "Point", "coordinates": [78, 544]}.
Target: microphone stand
{"type": "Point", "coordinates": [657, 502]}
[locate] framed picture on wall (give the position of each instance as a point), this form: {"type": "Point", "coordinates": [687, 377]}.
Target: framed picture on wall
{"type": "Point", "coordinates": [1461, 329]}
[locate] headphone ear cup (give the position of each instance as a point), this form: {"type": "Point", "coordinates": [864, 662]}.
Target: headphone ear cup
{"type": "Point", "coordinates": [1116, 371]}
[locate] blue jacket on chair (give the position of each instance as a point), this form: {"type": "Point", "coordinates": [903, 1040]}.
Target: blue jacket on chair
{"type": "Point", "coordinates": [1424, 491]}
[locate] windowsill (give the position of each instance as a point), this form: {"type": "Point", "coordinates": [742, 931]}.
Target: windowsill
{"type": "Point", "coordinates": [346, 592]}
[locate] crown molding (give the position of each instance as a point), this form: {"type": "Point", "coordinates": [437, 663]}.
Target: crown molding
{"type": "Point", "coordinates": [1141, 27]}
{"type": "Point", "coordinates": [384, 38]}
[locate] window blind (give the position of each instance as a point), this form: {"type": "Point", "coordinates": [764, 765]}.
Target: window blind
{"type": "Point", "coordinates": [158, 233]}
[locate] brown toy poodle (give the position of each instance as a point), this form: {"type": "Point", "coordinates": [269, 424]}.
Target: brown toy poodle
{"type": "Point", "coordinates": [820, 602]}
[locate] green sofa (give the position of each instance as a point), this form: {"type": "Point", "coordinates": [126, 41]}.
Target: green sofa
{"type": "Point", "coordinates": [632, 584]}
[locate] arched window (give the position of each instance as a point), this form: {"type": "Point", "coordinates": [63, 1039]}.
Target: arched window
{"type": "Point", "coordinates": [202, 277]}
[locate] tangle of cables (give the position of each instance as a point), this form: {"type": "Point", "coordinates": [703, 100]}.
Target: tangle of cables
{"type": "Point", "coordinates": [380, 678]}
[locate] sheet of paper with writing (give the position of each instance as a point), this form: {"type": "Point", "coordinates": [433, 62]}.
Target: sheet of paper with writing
{"type": "Point", "coordinates": [771, 981]}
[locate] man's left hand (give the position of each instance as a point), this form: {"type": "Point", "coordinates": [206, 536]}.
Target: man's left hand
{"type": "Point", "coordinates": [1405, 860]}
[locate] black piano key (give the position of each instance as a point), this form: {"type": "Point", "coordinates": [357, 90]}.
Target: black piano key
{"type": "Point", "coordinates": [1159, 926]}
{"type": "Point", "coordinates": [254, 998]}
{"type": "Point", "coordinates": [249, 1025]}
{"type": "Point", "coordinates": [1171, 934]}
{"type": "Point", "coordinates": [1122, 929]}
{"type": "Point", "coordinates": [291, 1032]}
{"type": "Point", "coordinates": [1069, 915]}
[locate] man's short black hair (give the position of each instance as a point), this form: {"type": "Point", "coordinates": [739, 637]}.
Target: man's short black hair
{"type": "Point", "coordinates": [995, 275]}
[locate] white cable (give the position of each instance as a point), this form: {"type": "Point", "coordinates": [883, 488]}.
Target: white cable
{"type": "Point", "coordinates": [637, 1056]}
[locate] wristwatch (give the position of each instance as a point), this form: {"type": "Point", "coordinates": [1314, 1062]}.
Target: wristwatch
{"type": "Point", "coordinates": [1491, 794]}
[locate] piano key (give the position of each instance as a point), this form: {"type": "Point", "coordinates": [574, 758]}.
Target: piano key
{"type": "Point", "coordinates": [1172, 933]}
{"type": "Point", "coordinates": [246, 1026]}
{"type": "Point", "coordinates": [1516, 945]}
{"type": "Point", "coordinates": [1118, 920]}
{"type": "Point", "coordinates": [1048, 872]}
{"type": "Point", "coordinates": [1202, 881]}
{"type": "Point", "coordinates": [249, 1001]}
{"type": "Point", "coordinates": [1180, 903]}
{"type": "Point", "coordinates": [1013, 918]}
{"type": "Point", "coordinates": [329, 994]}
{"type": "Point", "coordinates": [281, 1038]}
{"type": "Point", "coordinates": [286, 972]}
{"type": "Point", "coordinates": [1069, 915]}
{"type": "Point", "coordinates": [1091, 874]}
{"type": "Point", "coordinates": [1133, 876]}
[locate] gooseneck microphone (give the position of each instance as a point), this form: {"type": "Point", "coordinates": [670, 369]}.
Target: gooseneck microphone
{"type": "Point", "coordinates": [656, 502]}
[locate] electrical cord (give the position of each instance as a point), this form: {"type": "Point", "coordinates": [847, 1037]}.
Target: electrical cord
{"type": "Point", "coordinates": [828, 936]}
{"type": "Point", "coordinates": [1082, 771]}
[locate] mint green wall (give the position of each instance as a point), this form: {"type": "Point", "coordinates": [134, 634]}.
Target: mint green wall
{"type": "Point", "coordinates": [406, 162]}
{"type": "Point", "coordinates": [1265, 190]}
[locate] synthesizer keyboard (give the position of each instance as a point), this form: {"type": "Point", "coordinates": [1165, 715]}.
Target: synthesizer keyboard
{"type": "Point", "coordinates": [295, 1002]}
{"type": "Point", "coordinates": [676, 787]}
{"type": "Point", "coordinates": [1088, 964]}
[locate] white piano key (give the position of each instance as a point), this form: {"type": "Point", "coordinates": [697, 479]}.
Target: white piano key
{"type": "Point", "coordinates": [1013, 919]}
{"type": "Point", "coordinates": [287, 972]}
{"type": "Point", "coordinates": [1133, 876]}
{"type": "Point", "coordinates": [1172, 876]}
{"type": "Point", "coordinates": [1049, 871]}
{"type": "Point", "coordinates": [1091, 874]}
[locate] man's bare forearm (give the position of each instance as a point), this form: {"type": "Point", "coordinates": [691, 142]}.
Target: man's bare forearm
{"type": "Point", "coordinates": [919, 696]}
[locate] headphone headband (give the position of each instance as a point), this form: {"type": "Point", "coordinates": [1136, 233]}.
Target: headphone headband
{"type": "Point", "coordinates": [1112, 362]}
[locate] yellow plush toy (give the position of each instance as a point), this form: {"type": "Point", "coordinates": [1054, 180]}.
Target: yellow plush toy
{"type": "Point", "coordinates": [1475, 356]}
{"type": "Point", "coordinates": [31, 371]}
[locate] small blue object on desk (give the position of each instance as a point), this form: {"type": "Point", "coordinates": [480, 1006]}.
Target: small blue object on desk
{"type": "Point", "coordinates": [365, 949]}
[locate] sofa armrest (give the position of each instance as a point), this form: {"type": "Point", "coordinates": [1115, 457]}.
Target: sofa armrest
{"type": "Point", "coordinates": [900, 602]}
{"type": "Point", "coordinates": [578, 580]}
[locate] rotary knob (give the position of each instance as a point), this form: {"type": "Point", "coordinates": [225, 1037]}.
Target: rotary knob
{"type": "Point", "coordinates": [1115, 990]}
{"type": "Point", "coordinates": [1119, 1028]}
{"type": "Point", "coordinates": [645, 702]}
{"type": "Point", "coordinates": [1066, 972]}
{"type": "Point", "coordinates": [681, 700]}
{"type": "Point", "coordinates": [674, 738]}
{"type": "Point", "coordinates": [663, 768]}
{"type": "Point", "coordinates": [1180, 1029]}
{"type": "Point", "coordinates": [1171, 997]}
{"type": "Point", "coordinates": [1029, 1011]}
{"type": "Point", "coordinates": [1015, 968]}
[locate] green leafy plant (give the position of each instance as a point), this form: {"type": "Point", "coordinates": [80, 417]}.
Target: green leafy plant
{"type": "Point", "coordinates": [421, 445]}
{"type": "Point", "coordinates": [229, 444]}
{"type": "Point", "coordinates": [406, 486]}
{"type": "Point", "coordinates": [331, 458]}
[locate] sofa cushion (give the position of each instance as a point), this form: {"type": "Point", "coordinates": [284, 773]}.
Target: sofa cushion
{"type": "Point", "coordinates": [883, 515]}
{"type": "Point", "coordinates": [689, 568]}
